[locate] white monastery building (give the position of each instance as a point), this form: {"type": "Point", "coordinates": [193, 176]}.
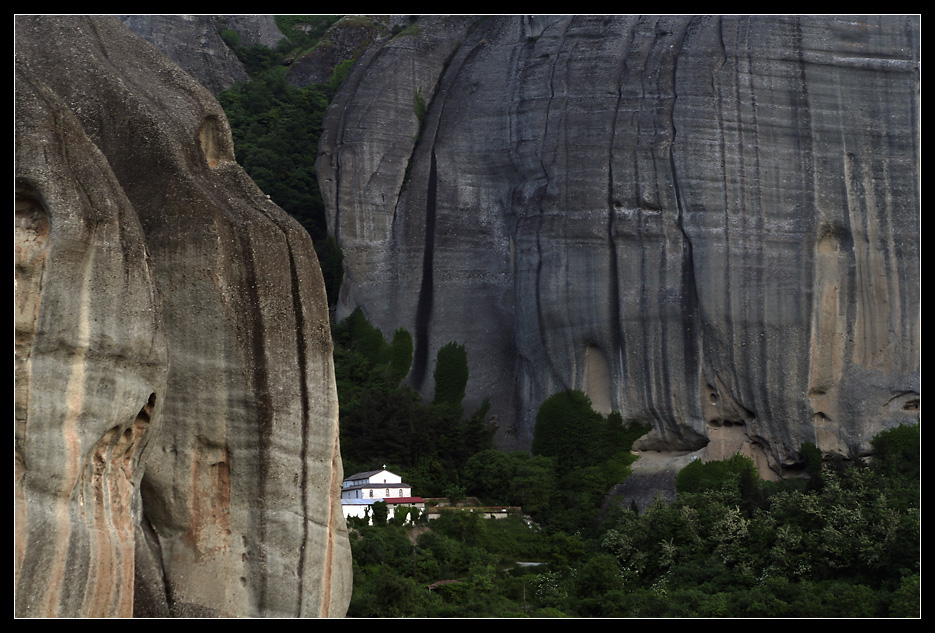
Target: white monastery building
{"type": "Point", "coordinates": [361, 490]}
{"type": "Point", "coordinates": [374, 484]}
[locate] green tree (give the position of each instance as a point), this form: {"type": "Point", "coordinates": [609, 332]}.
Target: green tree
{"type": "Point", "coordinates": [569, 430]}
{"type": "Point", "coordinates": [734, 473]}
{"type": "Point", "coordinates": [533, 485]}
{"type": "Point", "coordinates": [906, 601]}
{"type": "Point", "coordinates": [897, 458]}
{"type": "Point", "coordinates": [331, 260]}
{"type": "Point", "coordinates": [488, 474]}
{"type": "Point", "coordinates": [451, 376]}
{"type": "Point", "coordinates": [231, 38]}
{"type": "Point", "coordinates": [595, 579]}
{"type": "Point", "coordinates": [380, 512]}
{"type": "Point", "coordinates": [400, 355]}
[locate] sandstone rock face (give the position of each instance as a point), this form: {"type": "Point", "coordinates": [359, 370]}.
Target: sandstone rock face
{"type": "Point", "coordinates": [192, 42]}
{"type": "Point", "coordinates": [90, 368]}
{"type": "Point", "coordinates": [176, 416]}
{"type": "Point", "coordinates": [709, 224]}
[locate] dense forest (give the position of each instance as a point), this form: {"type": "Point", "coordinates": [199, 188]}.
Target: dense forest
{"type": "Point", "coordinates": [842, 542]}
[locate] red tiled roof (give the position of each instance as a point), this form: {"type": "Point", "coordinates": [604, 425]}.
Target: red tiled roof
{"type": "Point", "coordinates": [404, 499]}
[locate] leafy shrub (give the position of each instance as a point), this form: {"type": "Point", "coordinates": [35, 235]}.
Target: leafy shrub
{"type": "Point", "coordinates": [340, 74]}
{"type": "Point", "coordinates": [419, 107]}
{"type": "Point", "coordinates": [231, 38]}
{"type": "Point", "coordinates": [699, 476]}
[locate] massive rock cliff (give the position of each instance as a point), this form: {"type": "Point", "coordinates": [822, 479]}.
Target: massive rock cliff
{"type": "Point", "coordinates": [176, 442]}
{"type": "Point", "coordinates": [709, 224]}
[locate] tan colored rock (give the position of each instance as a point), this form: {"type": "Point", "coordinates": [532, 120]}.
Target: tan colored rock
{"type": "Point", "coordinates": [91, 366]}
{"type": "Point", "coordinates": [159, 290]}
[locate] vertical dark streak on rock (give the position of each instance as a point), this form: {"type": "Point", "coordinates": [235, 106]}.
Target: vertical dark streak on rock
{"type": "Point", "coordinates": [336, 229]}
{"type": "Point", "coordinates": [75, 590]}
{"type": "Point", "coordinates": [807, 138]}
{"type": "Point", "coordinates": [657, 388]}
{"type": "Point", "coordinates": [807, 153]}
{"type": "Point", "coordinates": [100, 43]}
{"type": "Point", "coordinates": [720, 117]}
{"type": "Point", "coordinates": [543, 335]}
{"type": "Point", "coordinates": [424, 306]}
{"type": "Point", "coordinates": [618, 351]}
{"type": "Point", "coordinates": [899, 253]}
{"type": "Point", "coordinates": [690, 335]}
{"type": "Point", "coordinates": [661, 126]}
{"type": "Point", "coordinates": [762, 355]}
{"type": "Point", "coordinates": [733, 83]}
{"type": "Point", "coordinates": [513, 220]}
{"type": "Point", "coordinates": [647, 373]}
{"type": "Point", "coordinates": [888, 230]}
{"type": "Point", "coordinates": [264, 420]}
{"type": "Point", "coordinates": [743, 367]}
{"type": "Point", "coordinates": [301, 338]}
{"type": "Point", "coordinates": [859, 210]}
{"type": "Point", "coordinates": [907, 299]}
{"type": "Point", "coordinates": [689, 290]}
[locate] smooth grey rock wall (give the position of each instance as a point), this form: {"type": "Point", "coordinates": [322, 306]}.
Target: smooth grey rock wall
{"type": "Point", "coordinates": [193, 42]}
{"type": "Point", "coordinates": [709, 224]}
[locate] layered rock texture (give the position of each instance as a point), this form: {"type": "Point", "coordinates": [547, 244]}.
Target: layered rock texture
{"type": "Point", "coordinates": [345, 40]}
{"type": "Point", "coordinates": [176, 446]}
{"type": "Point", "coordinates": [193, 42]}
{"type": "Point", "coordinates": [709, 224]}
